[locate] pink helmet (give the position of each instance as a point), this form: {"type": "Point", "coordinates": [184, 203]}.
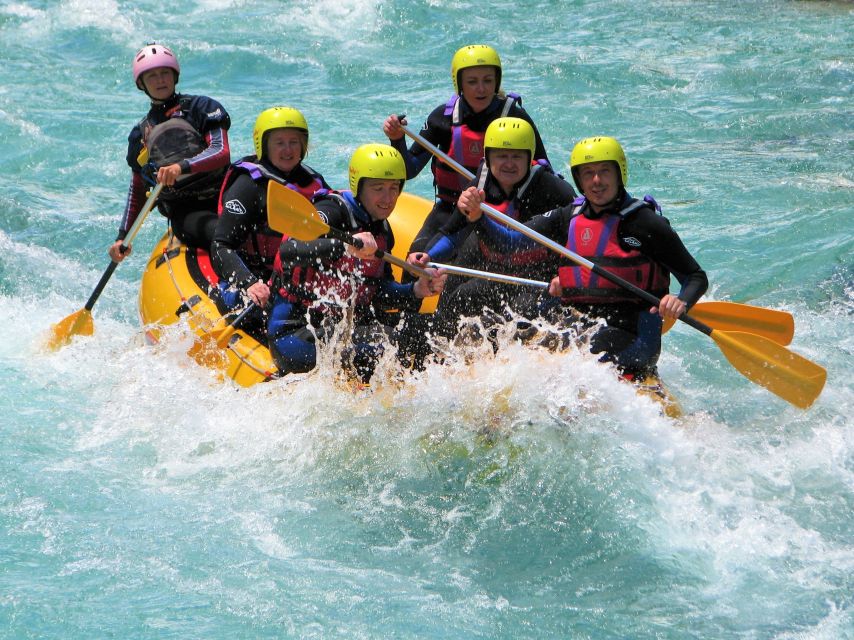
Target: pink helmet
{"type": "Point", "coordinates": [152, 56]}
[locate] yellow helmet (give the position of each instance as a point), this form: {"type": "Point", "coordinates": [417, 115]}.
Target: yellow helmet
{"type": "Point", "coordinates": [599, 149]}
{"type": "Point", "coordinates": [278, 118]}
{"type": "Point", "coordinates": [475, 55]}
{"type": "Point", "coordinates": [510, 133]}
{"type": "Point", "coordinates": [376, 161]}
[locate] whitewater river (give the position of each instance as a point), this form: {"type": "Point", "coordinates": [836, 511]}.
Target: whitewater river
{"type": "Point", "coordinates": [142, 498]}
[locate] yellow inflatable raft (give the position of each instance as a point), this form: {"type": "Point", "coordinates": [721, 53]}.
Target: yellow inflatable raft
{"type": "Point", "coordinates": [176, 281]}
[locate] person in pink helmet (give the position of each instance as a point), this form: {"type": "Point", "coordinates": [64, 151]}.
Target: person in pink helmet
{"type": "Point", "coordinates": [182, 142]}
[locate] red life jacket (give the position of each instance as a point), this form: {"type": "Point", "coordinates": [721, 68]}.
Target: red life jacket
{"type": "Point", "coordinates": [466, 148]}
{"type": "Point", "coordinates": [262, 244]}
{"type": "Point", "coordinates": [511, 208]}
{"type": "Point", "coordinates": [333, 283]}
{"type": "Point", "coordinates": [598, 241]}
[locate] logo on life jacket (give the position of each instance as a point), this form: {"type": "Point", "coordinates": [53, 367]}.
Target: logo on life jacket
{"type": "Point", "coordinates": [475, 148]}
{"type": "Point", "coordinates": [632, 242]}
{"type": "Point", "coordinates": [236, 207]}
{"type": "Point", "coordinates": [586, 236]}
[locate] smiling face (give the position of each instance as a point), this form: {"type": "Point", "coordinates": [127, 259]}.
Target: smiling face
{"type": "Point", "coordinates": [379, 196]}
{"type": "Point", "coordinates": [599, 182]}
{"type": "Point", "coordinates": [478, 86]}
{"type": "Point", "coordinates": [285, 148]}
{"type": "Point", "coordinates": [508, 166]}
{"type": "Point", "coordinates": [159, 83]}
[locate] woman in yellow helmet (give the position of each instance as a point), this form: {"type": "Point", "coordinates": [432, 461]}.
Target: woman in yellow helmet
{"type": "Point", "coordinates": [628, 237]}
{"type": "Point", "coordinates": [321, 279]}
{"type": "Point", "coordinates": [244, 246]}
{"type": "Point", "coordinates": [458, 128]}
{"type": "Point", "coordinates": [182, 142]}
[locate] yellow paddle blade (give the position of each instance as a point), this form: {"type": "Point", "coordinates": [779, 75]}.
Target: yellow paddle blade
{"type": "Point", "coordinates": [778, 326]}
{"type": "Point", "coordinates": [207, 351]}
{"type": "Point", "coordinates": [79, 323]}
{"type": "Point", "coordinates": [783, 372]}
{"type": "Point", "coordinates": [209, 347]}
{"type": "Point", "coordinates": [292, 214]}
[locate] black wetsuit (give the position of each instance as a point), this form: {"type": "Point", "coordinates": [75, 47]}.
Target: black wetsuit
{"type": "Point", "coordinates": [244, 215]}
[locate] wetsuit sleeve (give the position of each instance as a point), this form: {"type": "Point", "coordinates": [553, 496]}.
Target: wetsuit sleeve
{"type": "Point", "coordinates": [445, 244]}
{"type": "Point", "coordinates": [134, 148]}
{"type": "Point", "coordinates": [215, 156]}
{"type": "Point", "coordinates": [209, 114]}
{"type": "Point", "coordinates": [296, 253]}
{"type": "Point", "coordinates": [136, 198]}
{"type": "Point", "coordinates": [436, 131]}
{"type": "Point", "coordinates": [662, 244]}
{"type": "Point", "coordinates": [211, 120]}
{"type": "Point", "coordinates": [241, 213]}
{"type": "Point", "coordinates": [392, 295]}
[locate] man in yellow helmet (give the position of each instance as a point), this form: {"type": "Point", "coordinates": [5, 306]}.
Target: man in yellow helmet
{"type": "Point", "coordinates": [320, 280]}
{"type": "Point", "coordinates": [458, 128]}
{"type": "Point", "coordinates": [508, 181]}
{"type": "Point", "coordinates": [628, 237]}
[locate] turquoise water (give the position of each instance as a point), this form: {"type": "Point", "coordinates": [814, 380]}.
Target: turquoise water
{"type": "Point", "coordinates": [140, 498]}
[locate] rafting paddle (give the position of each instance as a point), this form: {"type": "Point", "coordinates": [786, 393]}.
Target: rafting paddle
{"type": "Point", "coordinates": [761, 360]}
{"type": "Point", "coordinates": [730, 316]}
{"type": "Point", "coordinates": [292, 214]}
{"type": "Point", "coordinates": [775, 325]}
{"type": "Point", "coordinates": [80, 322]}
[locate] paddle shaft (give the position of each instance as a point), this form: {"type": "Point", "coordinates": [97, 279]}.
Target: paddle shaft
{"type": "Point", "coordinates": [345, 237]}
{"type": "Point", "coordinates": [488, 275]}
{"type": "Point", "coordinates": [226, 334]}
{"type": "Point", "coordinates": [131, 234]}
{"type": "Point", "coordinates": [438, 153]}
